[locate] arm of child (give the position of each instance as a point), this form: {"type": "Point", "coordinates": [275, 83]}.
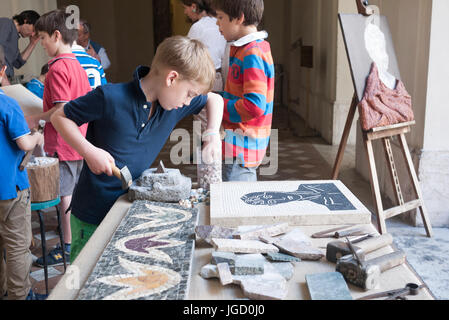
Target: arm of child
{"type": "Point", "coordinates": [211, 137]}
{"type": "Point", "coordinates": [30, 141]}
{"type": "Point", "coordinates": [33, 120]}
{"type": "Point", "coordinates": [98, 160]}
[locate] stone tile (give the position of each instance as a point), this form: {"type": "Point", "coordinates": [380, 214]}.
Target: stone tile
{"type": "Point", "coordinates": [253, 233]}
{"type": "Point", "coordinates": [297, 244]}
{"type": "Point", "coordinates": [328, 286]}
{"type": "Point", "coordinates": [285, 269]}
{"type": "Point", "coordinates": [248, 266]}
{"type": "Point", "coordinates": [242, 246]}
{"type": "Point", "coordinates": [265, 287]}
{"type": "Point", "coordinates": [206, 233]}
{"type": "Point", "coordinates": [223, 257]}
{"type": "Point", "coordinates": [282, 257]}
{"type": "Point", "coordinates": [224, 273]}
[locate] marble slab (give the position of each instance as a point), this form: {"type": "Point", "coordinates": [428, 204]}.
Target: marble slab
{"type": "Point", "coordinates": [299, 203]}
{"type": "Point", "coordinates": [149, 256]}
{"type": "Point", "coordinates": [242, 246]}
{"type": "Point", "coordinates": [328, 286]}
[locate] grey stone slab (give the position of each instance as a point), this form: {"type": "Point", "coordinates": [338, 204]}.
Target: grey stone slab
{"type": "Point", "coordinates": [223, 257]}
{"type": "Point", "coordinates": [299, 250]}
{"type": "Point", "coordinates": [282, 257]}
{"type": "Point", "coordinates": [265, 287]}
{"type": "Point", "coordinates": [248, 266]}
{"type": "Point", "coordinates": [328, 286]}
{"type": "Point", "coordinates": [206, 233]}
{"type": "Point", "coordinates": [171, 186]}
{"type": "Point", "coordinates": [285, 269]}
{"type": "Point", "coordinates": [149, 256]}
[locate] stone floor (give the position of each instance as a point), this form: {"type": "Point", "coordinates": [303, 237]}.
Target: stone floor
{"type": "Point", "coordinates": [312, 158]}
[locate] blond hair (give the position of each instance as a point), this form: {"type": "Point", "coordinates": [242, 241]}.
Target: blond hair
{"type": "Point", "coordinates": [190, 58]}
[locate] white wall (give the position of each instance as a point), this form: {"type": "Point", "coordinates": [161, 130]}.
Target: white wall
{"type": "Point", "coordinates": [9, 8]}
{"type": "Point", "coordinates": [434, 161]}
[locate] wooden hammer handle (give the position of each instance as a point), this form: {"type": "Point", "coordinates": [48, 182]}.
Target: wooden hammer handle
{"type": "Point", "coordinates": [389, 261]}
{"type": "Point", "coordinates": [116, 172]}
{"type": "Point", "coordinates": [373, 244]}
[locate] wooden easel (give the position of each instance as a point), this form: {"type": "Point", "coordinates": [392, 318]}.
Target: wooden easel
{"type": "Point", "coordinates": [385, 134]}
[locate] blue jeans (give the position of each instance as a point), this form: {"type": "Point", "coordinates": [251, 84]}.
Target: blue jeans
{"type": "Point", "coordinates": [236, 172]}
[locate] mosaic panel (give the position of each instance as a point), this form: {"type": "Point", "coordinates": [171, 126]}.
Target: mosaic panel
{"type": "Point", "coordinates": [149, 256]}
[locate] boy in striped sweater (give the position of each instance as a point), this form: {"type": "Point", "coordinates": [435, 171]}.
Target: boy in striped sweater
{"type": "Point", "coordinates": [249, 90]}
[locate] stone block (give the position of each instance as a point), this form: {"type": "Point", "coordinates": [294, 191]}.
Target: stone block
{"type": "Point", "coordinates": [242, 246]}
{"type": "Point", "coordinates": [328, 286]}
{"type": "Point", "coordinates": [265, 287]}
{"type": "Point", "coordinates": [282, 257]}
{"type": "Point", "coordinates": [248, 266]}
{"type": "Point", "coordinates": [225, 274]}
{"type": "Point", "coordinates": [285, 269]}
{"type": "Point", "coordinates": [171, 186]}
{"type": "Point", "coordinates": [206, 233]}
{"type": "Point", "coordinates": [223, 257]}
{"type": "Point", "coordinates": [254, 232]}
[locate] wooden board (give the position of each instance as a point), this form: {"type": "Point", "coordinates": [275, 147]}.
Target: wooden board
{"type": "Point", "coordinates": [28, 102]}
{"type": "Point", "coordinates": [298, 203]}
{"type": "Point", "coordinates": [353, 26]}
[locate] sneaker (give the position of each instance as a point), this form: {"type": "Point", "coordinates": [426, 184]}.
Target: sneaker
{"type": "Point", "coordinates": [54, 258]}
{"type": "Point", "coordinates": [36, 296]}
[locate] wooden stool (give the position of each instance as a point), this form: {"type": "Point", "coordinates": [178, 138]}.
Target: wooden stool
{"type": "Point", "coordinates": [38, 207]}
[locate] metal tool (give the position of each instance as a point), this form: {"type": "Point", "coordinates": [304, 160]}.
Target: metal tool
{"type": "Point", "coordinates": [354, 253]}
{"type": "Point", "coordinates": [366, 273]}
{"type": "Point", "coordinates": [124, 175]}
{"type": "Point", "coordinates": [340, 232]}
{"type": "Point", "coordinates": [338, 249]}
{"type": "Point", "coordinates": [411, 289]}
{"type": "Point", "coordinates": [28, 155]}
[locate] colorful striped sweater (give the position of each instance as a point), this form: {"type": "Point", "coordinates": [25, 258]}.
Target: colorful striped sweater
{"type": "Point", "coordinates": [249, 96]}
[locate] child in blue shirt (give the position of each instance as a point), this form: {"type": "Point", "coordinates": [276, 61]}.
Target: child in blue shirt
{"type": "Point", "coordinates": [36, 85]}
{"type": "Point", "coordinates": [129, 123]}
{"type": "Point", "coordinates": [15, 205]}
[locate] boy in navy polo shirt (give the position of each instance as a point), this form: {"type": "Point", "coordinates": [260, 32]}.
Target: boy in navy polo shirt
{"type": "Point", "coordinates": [15, 206]}
{"type": "Point", "coordinates": [129, 124]}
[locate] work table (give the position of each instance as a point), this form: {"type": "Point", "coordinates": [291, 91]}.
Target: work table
{"type": "Point", "coordinates": [211, 289]}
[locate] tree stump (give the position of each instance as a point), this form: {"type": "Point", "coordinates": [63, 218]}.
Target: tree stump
{"type": "Point", "coordinates": [43, 175]}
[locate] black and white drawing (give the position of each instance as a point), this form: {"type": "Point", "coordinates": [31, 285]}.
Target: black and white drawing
{"type": "Point", "coordinates": [323, 194]}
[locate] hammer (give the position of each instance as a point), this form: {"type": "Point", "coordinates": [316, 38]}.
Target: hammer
{"type": "Point", "coordinates": [124, 175]}
{"type": "Point", "coordinates": [338, 249]}
{"type": "Point", "coordinates": [28, 155]}
{"type": "Point", "coordinates": [366, 274]}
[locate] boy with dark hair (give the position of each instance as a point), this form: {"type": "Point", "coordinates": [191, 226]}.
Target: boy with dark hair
{"type": "Point", "coordinates": [129, 124]}
{"type": "Point", "coordinates": [66, 80]}
{"type": "Point", "coordinates": [15, 205]}
{"type": "Point", "coordinates": [36, 85]}
{"type": "Point", "coordinates": [249, 91]}
{"type": "Point", "coordinates": [21, 25]}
